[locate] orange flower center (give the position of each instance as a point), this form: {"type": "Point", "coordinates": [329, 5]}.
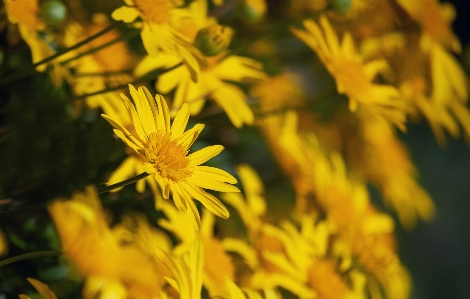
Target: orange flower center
{"type": "Point", "coordinates": [350, 77]}
{"type": "Point", "coordinates": [324, 279]}
{"type": "Point", "coordinates": [157, 11]}
{"type": "Point", "coordinates": [169, 158]}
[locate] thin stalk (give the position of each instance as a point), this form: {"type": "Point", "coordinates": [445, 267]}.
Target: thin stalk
{"type": "Point", "coordinates": [100, 191]}
{"type": "Point", "coordinates": [30, 255]}
{"type": "Point", "coordinates": [123, 183]}
{"type": "Point", "coordinates": [144, 78]}
{"type": "Point", "coordinates": [103, 74]}
{"type": "Point", "coordinates": [32, 69]}
{"type": "Point", "coordinates": [91, 51]}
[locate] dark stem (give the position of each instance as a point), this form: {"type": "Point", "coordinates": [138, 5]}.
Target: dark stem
{"type": "Point", "coordinates": [32, 69]}
{"type": "Point", "coordinates": [30, 255]}
{"type": "Point", "coordinates": [123, 183]}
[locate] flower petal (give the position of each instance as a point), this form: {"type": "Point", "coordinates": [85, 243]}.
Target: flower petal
{"type": "Point", "coordinates": [209, 201]}
{"type": "Point", "coordinates": [215, 174]}
{"type": "Point", "coordinates": [205, 154]}
{"type": "Point", "coordinates": [125, 14]}
{"type": "Point", "coordinates": [180, 121]}
{"type": "Point", "coordinates": [190, 136]}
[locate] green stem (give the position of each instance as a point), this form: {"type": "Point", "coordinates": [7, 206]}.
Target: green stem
{"type": "Point", "coordinates": [32, 69]}
{"type": "Point", "coordinates": [100, 191]}
{"type": "Point", "coordinates": [91, 51]}
{"type": "Point", "coordinates": [104, 74]}
{"type": "Point", "coordinates": [20, 210]}
{"type": "Point", "coordinates": [123, 183]}
{"type": "Point", "coordinates": [30, 255]}
{"type": "Point", "coordinates": [144, 78]}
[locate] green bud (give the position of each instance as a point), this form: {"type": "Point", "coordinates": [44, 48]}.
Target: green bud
{"type": "Point", "coordinates": [252, 11]}
{"type": "Point", "coordinates": [341, 5]}
{"type": "Point", "coordinates": [213, 39]}
{"type": "Point", "coordinates": [53, 12]}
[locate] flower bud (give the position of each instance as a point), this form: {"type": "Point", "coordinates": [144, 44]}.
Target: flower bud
{"type": "Point", "coordinates": [213, 39]}
{"type": "Point", "coordinates": [252, 11]}
{"type": "Point", "coordinates": [53, 12]}
{"type": "Point", "coordinates": [341, 5]}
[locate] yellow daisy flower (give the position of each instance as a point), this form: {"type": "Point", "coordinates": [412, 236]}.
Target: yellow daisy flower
{"type": "Point", "coordinates": [158, 31]}
{"type": "Point", "coordinates": [165, 149]}
{"type": "Point", "coordinates": [353, 76]}
{"type": "Point", "coordinates": [25, 14]}
{"type": "Point", "coordinates": [98, 253]}
{"type": "Point", "coordinates": [212, 83]}
{"type": "Point", "coordinates": [435, 19]}
{"type": "Point", "coordinates": [215, 72]}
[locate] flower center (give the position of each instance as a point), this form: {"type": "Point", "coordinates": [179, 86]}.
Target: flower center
{"type": "Point", "coordinates": [168, 157]}
{"type": "Point", "coordinates": [156, 11]}
{"type": "Point", "coordinates": [350, 77]}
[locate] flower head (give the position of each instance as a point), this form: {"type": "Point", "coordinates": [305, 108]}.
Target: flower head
{"type": "Point", "coordinates": [354, 78]}
{"type": "Point", "coordinates": [165, 149]}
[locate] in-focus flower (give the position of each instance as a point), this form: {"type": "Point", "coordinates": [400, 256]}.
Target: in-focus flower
{"type": "Point", "coordinates": [165, 149]}
{"type": "Point", "coordinates": [354, 78]}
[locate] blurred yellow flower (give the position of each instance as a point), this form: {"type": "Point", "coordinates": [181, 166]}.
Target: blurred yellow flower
{"type": "Point", "coordinates": [158, 32]}
{"type": "Point", "coordinates": [96, 251]}
{"type": "Point", "coordinates": [435, 19]}
{"type": "Point", "coordinates": [25, 13]}
{"type": "Point", "coordinates": [42, 289]}
{"type": "Point", "coordinates": [354, 78]}
{"type": "Point", "coordinates": [3, 244]}
{"type": "Point", "coordinates": [165, 149]}
{"type": "Point", "coordinates": [212, 83]}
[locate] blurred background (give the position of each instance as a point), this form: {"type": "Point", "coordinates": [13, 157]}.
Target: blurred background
{"type": "Point", "coordinates": [437, 253]}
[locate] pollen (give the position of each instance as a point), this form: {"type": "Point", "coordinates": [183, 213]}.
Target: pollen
{"type": "Point", "coordinates": [169, 158]}
{"type": "Point", "coordinates": [156, 11]}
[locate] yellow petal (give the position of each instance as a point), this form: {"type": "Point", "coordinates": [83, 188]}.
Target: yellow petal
{"type": "Point", "coordinates": [209, 201]}
{"type": "Point", "coordinates": [42, 289]}
{"type": "Point", "coordinates": [180, 122]}
{"type": "Point", "coordinates": [125, 14]}
{"type": "Point", "coordinates": [205, 182]}
{"type": "Point", "coordinates": [205, 154]}
{"type": "Point", "coordinates": [190, 136]}
{"type": "Point", "coordinates": [215, 174]}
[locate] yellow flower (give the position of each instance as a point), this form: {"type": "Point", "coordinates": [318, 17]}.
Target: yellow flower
{"type": "Point", "coordinates": [354, 78]}
{"type": "Point", "coordinates": [215, 71]}
{"type": "Point", "coordinates": [115, 59]}
{"type": "Point", "coordinates": [158, 32]}
{"type": "Point", "coordinates": [435, 19]}
{"type": "Point", "coordinates": [211, 84]}
{"type": "Point", "coordinates": [3, 244]}
{"type": "Point", "coordinates": [165, 149]}
{"type": "Point", "coordinates": [218, 265]}
{"type": "Point", "coordinates": [42, 289]}
{"type": "Point", "coordinates": [97, 252]}
{"type": "Point", "coordinates": [25, 13]}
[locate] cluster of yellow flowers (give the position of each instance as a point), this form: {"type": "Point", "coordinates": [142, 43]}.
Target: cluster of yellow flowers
{"type": "Point", "coordinates": [388, 61]}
